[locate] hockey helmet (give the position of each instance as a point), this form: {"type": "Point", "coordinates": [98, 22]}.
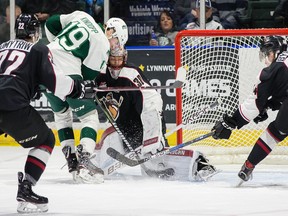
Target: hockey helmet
{"type": "Point", "coordinates": [120, 30]}
{"type": "Point", "coordinates": [275, 44]}
{"type": "Point", "coordinates": [117, 58]}
{"type": "Point", "coordinates": [117, 50]}
{"type": "Point", "coordinates": [27, 26]}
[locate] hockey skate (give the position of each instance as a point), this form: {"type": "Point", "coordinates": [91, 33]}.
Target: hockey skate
{"type": "Point", "coordinates": [29, 202]}
{"type": "Point", "coordinates": [245, 173]}
{"type": "Point", "coordinates": [71, 160]}
{"type": "Point", "coordinates": [203, 171]}
{"type": "Point", "coordinates": [87, 171]}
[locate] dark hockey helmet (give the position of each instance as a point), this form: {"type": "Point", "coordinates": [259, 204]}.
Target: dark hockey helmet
{"type": "Point", "coordinates": [275, 44]}
{"type": "Point", "coordinates": [27, 26]}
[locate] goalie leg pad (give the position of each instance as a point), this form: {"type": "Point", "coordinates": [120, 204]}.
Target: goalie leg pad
{"type": "Point", "coordinates": [153, 140]}
{"type": "Point", "coordinates": [201, 169]}
{"type": "Point", "coordinates": [110, 138]}
{"type": "Point", "coordinates": [188, 165]}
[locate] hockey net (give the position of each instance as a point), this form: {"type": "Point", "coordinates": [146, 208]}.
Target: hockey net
{"type": "Point", "coordinates": [221, 64]}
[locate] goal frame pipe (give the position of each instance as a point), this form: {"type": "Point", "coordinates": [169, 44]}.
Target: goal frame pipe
{"type": "Point", "coordinates": [207, 33]}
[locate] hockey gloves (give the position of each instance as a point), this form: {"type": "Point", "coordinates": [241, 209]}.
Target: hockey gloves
{"type": "Point", "coordinates": [88, 89]}
{"type": "Point", "coordinates": [223, 129]}
{"type": "Point", "coordinates": [261, 117]}
{"type": "Point", "coordinates": [83, 89]}
{"type": "Point", "coordinates": [38, 93]}
{"type": "Point", "coordinates": [273, 104]}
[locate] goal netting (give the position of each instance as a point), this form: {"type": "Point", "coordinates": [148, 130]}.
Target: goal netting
{"type": "Point", "coordinates": [221, 64]}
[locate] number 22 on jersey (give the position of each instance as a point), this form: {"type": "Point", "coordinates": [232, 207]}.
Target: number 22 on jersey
{"type": "Point", "coordinates": [15, 59]}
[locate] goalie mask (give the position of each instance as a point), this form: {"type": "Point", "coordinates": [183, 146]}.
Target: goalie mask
{"type": "Point", "coordinates": [271, 44]}
{"type": "Point", "coordinates": [117, 28]}
{"type": "Point", "coordinates": [27, 26]}
{"type": "Point", "coordinates": [117, 58]}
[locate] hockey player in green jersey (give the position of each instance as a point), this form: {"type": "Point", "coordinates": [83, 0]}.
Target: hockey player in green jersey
{"type": "Point", "coordinates": [80, 49]}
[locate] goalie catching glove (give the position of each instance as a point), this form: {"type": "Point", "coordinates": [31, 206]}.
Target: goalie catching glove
{"type": "Point", "coordinates": [223, 129]}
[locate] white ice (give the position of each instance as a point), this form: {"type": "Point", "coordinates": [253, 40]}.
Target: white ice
{"type": "Point", "coordinates": [130, 195]}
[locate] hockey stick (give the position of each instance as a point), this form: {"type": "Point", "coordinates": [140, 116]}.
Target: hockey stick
{"type": "Point", "coordinates": [130, 162]}
{"type": "Point", "coordinates": [191, 119]}
{"type": "Point", "coordinates": [195, 116]}
{"type": "Point", "coordinates": [152, 173]}
{"type": "Point", "coordinates": [180, 79]}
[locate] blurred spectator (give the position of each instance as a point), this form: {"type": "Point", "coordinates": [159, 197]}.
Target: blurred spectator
{"type": "Point", "coordinates": [66, 6]}
{"type": "Point", "coordinates": [98, 11]}
{"type": "Point", "coordinates": [228, 12]}
{"type": "Point", "coordinates": [43, 9]}
{"type": "Point", "coordinates": [281, 14]}
{"type": "Point", "coordinates": [182, 11]}
{"type": "Point", "coordinates": [89, 4]}
{"type": "Point", "coordinates": [18, 11]}
{"type": "Point", "coordinates": [210, 23]}
{"type": "Point", "coordinates": [165, 32]}
{"type": "Point", "coordinates": [3, 6]}
{"type": "Point", "coordinates": [5, 27]}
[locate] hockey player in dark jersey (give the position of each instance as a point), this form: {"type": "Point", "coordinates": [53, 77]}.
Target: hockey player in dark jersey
{"type": "Point", "coordinates": [139, 116]}
{"type": "Point", "coordinates": [24, 65]}
{"type": "Point", "coordinates": [269, 93]}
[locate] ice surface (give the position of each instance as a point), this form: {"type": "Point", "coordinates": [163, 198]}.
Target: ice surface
{"type": "Point", "coordinates": [128, 194]}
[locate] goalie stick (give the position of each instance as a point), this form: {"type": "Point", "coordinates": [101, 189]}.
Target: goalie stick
{"type": "Point", "coordinates": [116, 165]}
{"type": "Point", "coordinates": [130, 162]}
{"type": "Point", "coordinates": [151, 173]}
{"type": "Point", "coordinates": [180, 79]}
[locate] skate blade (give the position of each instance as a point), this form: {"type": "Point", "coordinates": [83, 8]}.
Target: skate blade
{"type": "Point", "coordinates": [239, 183]}
{"type": "Point", "coordinates": [28, 208]}
{"type": "Point", "coordinates": [74, 176]}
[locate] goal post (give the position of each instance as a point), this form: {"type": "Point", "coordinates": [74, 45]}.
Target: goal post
{"type": "Point", "coordinates": [221, 64]}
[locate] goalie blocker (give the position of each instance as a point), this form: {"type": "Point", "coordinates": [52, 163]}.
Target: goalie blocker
{"type": "Point", "coordinates": [188, 165]}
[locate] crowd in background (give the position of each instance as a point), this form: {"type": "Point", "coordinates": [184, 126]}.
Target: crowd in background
{"type": "Point", "coordinates": [183, 14]}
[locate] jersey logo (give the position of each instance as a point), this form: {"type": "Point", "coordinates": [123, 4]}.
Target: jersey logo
{"type": "Point", "coordinates": [112, 105]}
{"type": "Point", "coordinates": [282, 57]}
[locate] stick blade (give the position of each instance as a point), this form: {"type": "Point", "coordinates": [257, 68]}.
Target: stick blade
{"type": "Point", "coordinates": [121, 158]}
{"type": "Point", "coordinates": [177, 84]}
{"type": "Point", "coordinates": [180, 76]}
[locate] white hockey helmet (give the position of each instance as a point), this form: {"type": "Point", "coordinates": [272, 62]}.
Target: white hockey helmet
{"type": "Point", "coordinates": [120, 29]}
